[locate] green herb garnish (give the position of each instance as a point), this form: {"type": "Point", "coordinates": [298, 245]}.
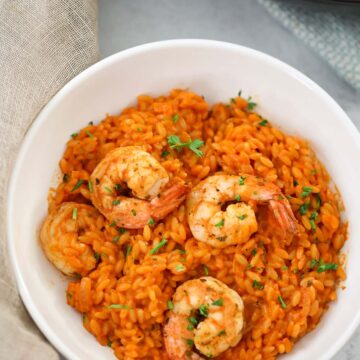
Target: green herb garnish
{"type": "Point", "coordinates": [89, 134]}
{"type": "Point", "coordinates": [66, 178]}
{"type": "Point", "coordinates": [238, 198]}
{"type": "Point", "coordinates": [74, 135]}
{"type": "Point", "coordinates": [263, 122]}
{"type": "Point", "coordinates": [116, 202]}
{"type": "Point", "coordinates": [90, 186]}
{"type": "Point", "coordinates": [175, 143]}
{"type": "Point", "coordinates": [303, 208]}
{"type": "Point", "coordinates": [165, 153]}
{"type": "Point", "coordinates": [326, 266]}
{"type": "Point", "coordinates": [204, 310]}
{"type": "Point", "coordinates": [118, 306]}
{"type": "Point", "coordinates": [133, 211]}
{"type": "Point", "coordinates": [242, 180]}
{"type": "Point", "coordinates": [151, 222]}
{"type": "Point", "coordinates": [158, 246]}
{"type": "Point", "coordinates": [257, 285]}
{"type": "Point", "coordinates": [206, 270]}
{"type": "Point", "coordinates": [307, 190]}
{"type": "Point", "coordinates": [220, 223]}
{"type": "Point", "coordinates": [116, 239]}
{"type": "Point", "coordinates": [128, 250]}
{"type": "Point", "coordinates": [282, 302]}
{"type": "Point", "coordinates": [97, 256]}
{"type": "Point", "coordinates": [221, 333]}
{"type": "Point", "coordinates": [77, 185]}
{"type": "Point", "coordinates": [242, 217]}
{"type": "Point", "coordinates": [218, 302]}
{"type": "Point", "coordinates": [313, 263]}
{"type": "Point", "coordinates": [74, 213]}
{"type": "Point", "coordinates": [251, 104]}
{"type": "Point", "coordinates": [170, 305]}
{"type": "Point", "coordinates": [108, 189]}
{"type": "Point", "coordinates": [175, 118]}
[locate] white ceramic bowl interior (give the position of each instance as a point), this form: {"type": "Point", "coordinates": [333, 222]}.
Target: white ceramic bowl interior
{"type": "Point", "coordinates": [218, 71]}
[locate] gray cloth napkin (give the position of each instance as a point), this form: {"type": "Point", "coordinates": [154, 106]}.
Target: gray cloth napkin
{"type": "Point", "coordinates": [334, 35]}
{"type": "Point", "coordinates": [43, 44]}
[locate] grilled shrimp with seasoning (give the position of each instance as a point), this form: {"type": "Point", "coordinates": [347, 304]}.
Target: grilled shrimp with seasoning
{"type": "Point", "coordinates": [64, 237]}
{"type": "Point", "coordinates": [133, 168]}
{"type": "Point", "coordinates": [207, 318]}
{"type": "Point", "coordinates": [210, 224]}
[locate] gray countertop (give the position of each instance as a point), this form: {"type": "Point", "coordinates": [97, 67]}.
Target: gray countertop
{"type": "Point", "coordinates": [127, 23]}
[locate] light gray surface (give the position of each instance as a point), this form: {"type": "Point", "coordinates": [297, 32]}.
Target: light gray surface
{"type": "Point", "coordinates": [127, 23]}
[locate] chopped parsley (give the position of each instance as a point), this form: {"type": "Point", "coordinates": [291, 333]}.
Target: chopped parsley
{"type": "Point", "coordinates": [109, 343]}
{"type": "Point", "coordinates": [303, 208]}
{"type": "Point", "coordinates": [158, 246]}
{"type": "Point", "coordinates": [220, 223]}
{"type": "Point", "coordinates": [116, 239]}
{"type": "Point", "coordinates": [326, 266]}
{"type": "Point", "coordinates": [192, 320]}
{"type": "Point", "coordinates": [251, 104]}
{"type": "Point", "coordinates": [282, 302]}
{"type": "Point", "coordinates": [204, 310]}
{"type": "Point", "coordinates": [307, 190]}
{"type": "Point", "coordinates": [206, 270]}
{"type": "Point", "coordinates": [257, 285]}
{"type": "Point", "coordinates": [175, 118]}
{"type": "Point", "coordinates": [139, 129]}
{"type": "Point", "coordinates": [242, 180]}
{"type": "Point", "coordinates": [74, 135]}
{"type": "Point", "coordinates": [238, 198]}
{"type": "Point", "coordinates": [89, 134]}
{"type": "Point", "coordinates": [318, 201]}
{"type": "Point", "coordinates": [263, 122]}
{"type": "Point", "coordinates": [116, 202]}
{"type": "Point", "coordinates": [128, 250]}
{"type": "Point", "coordinates": [121, 230]}
{"type": "Point", "coordinates": [108, 189]}
{"type": "Point", "coordinates": [170, 305]}
{"type": "Point", "coordinates": [180, 267]}
{"type": "Point", "coordinates": [242, 217]}
{"type": "Point", "coordinates": [74, 213]}
{"type": "Point", "coordinates": [189, 342]}
{"type": "Point", "coordinates": [118, 306]}
{"type": "Point", "coordinates": [77, 185]}
{"type": "Point", "coordinates": [151, 222]}
{"type": "Point", "coordinates": [97, 256]}
{"type": "Point", "coordinates": [90, 186]}
{"type": "Point", "coordinates": [253, 252]}
{"type": "Point", "coordinates": [296, 183]}
{"type": "Point", "coordinates": [165, 153]}
{"type": "Point", "coordinates": [218, 302]}
{"type": "Point", "coordinates": [313, 172]}
{"type": "Point", "coordinates": [133, 211]}
{"type": "Point", "coordinates": [117, 187]}
{"type": "Point", "coordinates": [193, 145]}
{"type": "Point", "coordinates": [221, 333]}
{"type": "Point", "coordinates": [313, 263]}
{"type": "Point", "coordinates": [66, 178]}
{"type": "Point", "coordinates": [312, 224]}
{"type": "Point", "coordinates": [239, 93]}
{"type": "Point", "coordinates": [190, 327]}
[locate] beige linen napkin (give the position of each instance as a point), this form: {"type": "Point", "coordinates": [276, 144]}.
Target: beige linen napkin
{"type": "Point", "coordinates": [43, 44]}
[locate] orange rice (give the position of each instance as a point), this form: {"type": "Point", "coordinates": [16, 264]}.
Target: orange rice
{"type": "Point", "coordinates": [237, 140]}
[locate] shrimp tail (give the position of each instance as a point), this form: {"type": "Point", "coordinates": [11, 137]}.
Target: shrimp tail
{"type": "Point", "coordinates": [168, 201]}
{"type": "Point", "coordinates": [284, 215]}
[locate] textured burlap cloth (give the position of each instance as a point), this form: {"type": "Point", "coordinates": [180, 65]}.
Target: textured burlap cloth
{"type": "Point", "coordinates": [43, 44]}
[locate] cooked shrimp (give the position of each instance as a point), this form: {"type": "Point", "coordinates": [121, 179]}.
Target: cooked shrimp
{"type": "Point", "coordinates": [133, 168]}
{"type": "Point", "coordinates": [207, 318]}
{"type": "Point", "coordinates": [207, 221]}
{"type": "Point", "coordinates": [63, 237]}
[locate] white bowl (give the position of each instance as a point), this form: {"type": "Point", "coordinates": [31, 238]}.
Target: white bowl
{"type": "Point", "coordinates": [218, 71]}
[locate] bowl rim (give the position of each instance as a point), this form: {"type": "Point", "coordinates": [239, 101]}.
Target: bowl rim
{"type": "Point", "coordinates": [144, 48]}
